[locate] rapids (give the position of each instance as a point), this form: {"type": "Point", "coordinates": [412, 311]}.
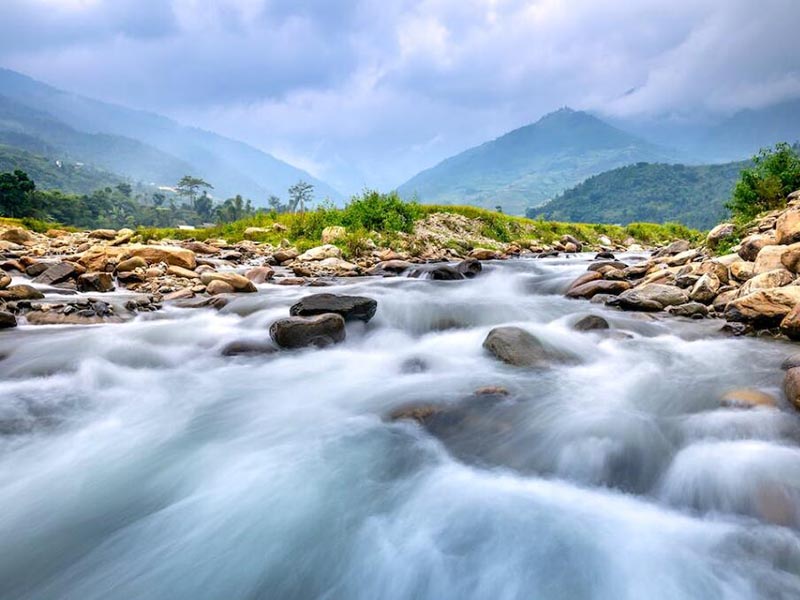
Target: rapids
{"type": "Point", "coordinates": [137, 462]}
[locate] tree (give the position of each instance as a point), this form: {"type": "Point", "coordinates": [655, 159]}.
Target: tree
{"type": "Point", "coordinates": [16, 194]}
{"type": "Point", "coordinates": [189, 187]}
{"type": "Point", "coordinates": [774, 175]}
{"type": "Point", "coordinates": [203, 205]}
{"type": "Point", "coordinates": [125, 189]}
{"type": "Point", "coordinates": [300, 194]}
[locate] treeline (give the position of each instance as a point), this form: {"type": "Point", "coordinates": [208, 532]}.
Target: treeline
{"type": "Point", "coordinates": [188, 203]}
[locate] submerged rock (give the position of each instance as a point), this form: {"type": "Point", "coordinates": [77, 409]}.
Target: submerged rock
{"type": "Point", "coordinates": [591, 323]}
{"type": "Point", "coordinates": [747, 398]}
{"type": "Point", "coordinates": [351, 308]}
{"type": "Point", "coordinates": [300, 332]}
{"type": "Point", "coordinates": [515, 346]}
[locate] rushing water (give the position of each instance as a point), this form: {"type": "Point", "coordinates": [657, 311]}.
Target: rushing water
{"type": "Point", "coordinates": [137, 462]}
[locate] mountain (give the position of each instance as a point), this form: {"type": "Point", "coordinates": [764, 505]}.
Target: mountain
{"type": "Point", "coordinates": [138, 144]}
{"type": "Point", "coordinates": [56, 174]}
{"type": "Point", "coordinates": [658, 193]}
{"type": "Point", "coordinates": [529, 165]}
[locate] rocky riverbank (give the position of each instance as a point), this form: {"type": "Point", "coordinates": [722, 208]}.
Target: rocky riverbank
{"type": "Point", "coordinates": [754, 287]}
{"type": "Point", "coordinates": [41, 271]}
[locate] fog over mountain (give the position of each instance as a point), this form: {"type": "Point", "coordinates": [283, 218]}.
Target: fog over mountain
{"type": "Point", "coordinates": [364, 93]}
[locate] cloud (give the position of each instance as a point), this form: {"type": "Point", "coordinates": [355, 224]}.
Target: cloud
{"type": "Point", "coordinates": [368, 93]}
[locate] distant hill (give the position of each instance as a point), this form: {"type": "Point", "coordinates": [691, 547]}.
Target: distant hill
{"type": "Point", "coordinates": [530, 165]}
{"type": "Point", "coordinates": [658, 193]}
{"type": "Point", "coordinates": [138, 144]}
{"type": "Point", "coordinates": [56, 174]}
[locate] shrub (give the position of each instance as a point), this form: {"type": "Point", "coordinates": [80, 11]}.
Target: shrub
{"type": "Point", "coordinates": [775, 173]}
{"type": "Point", "coordinates": [374, 211]}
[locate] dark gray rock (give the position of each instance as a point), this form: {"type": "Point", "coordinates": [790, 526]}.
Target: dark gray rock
{"type": "Point", "coordinates": [96, 282]}
{"type": "Point", "coordinates": [693, 310]}
{"type": "Point", "coordinates": [248, 348]}
{"type": "Point", "coordinates": [57, 273]}
{"type": "Point", "coordinates": [301, 332]}
{"type": "Point", "coordinates": [351, 308]}
{"type": "Point", "coordinates": [7, 320]}
{"type": "Point", "coordinates": [469, 267]}
{"type": "Point", "coordinates": [439, 272]}
{"type": "Point", "coordinates": [591, 323]}
{"type": "Point", "coordinates": [517, 347]}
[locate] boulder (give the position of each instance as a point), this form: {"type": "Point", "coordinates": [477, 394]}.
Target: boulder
{"type": "Point", "coordinates": [390, 268]}
{"type": "Point", "coordinates": [57, 273]}
{"type": "Point", "coordinates": [5, 280]}
{"type": "Point", "coordinates": [790, 258]}
{"type": "Point", "coordinates": [706, 289]}
{"type": "Point", "coordinates": [259, 274]}
{"type": "Point", "coordinates": [723, 299]}
{"type": "Point", "coordinates": [351, 308]}
{"type": "Point", "coordinates": [300, 332]}
{"type": "Point", "coordinates": [747, 398]}
{"type": "Point", "coordinates": [37, 269]}
{"type": "Point", "coordinates": [723, 231]}
{"type": "Point", "coordinates": [599, 286]}
{"type": "Point", "coordinates": [332, 233]}
{"type": "Point", "coordinates": [791, 386]}
{"type": "Point", "coordinates": [769, 258]}
{"type": "Point", "coordinates": [682, 258]}
{"type": "Point", "coordinates": [742, 270]}
{"type": "Point", "coordinates": [483, 254]}
{"type": "Point", "coordinates": [248, 348]}
{"type": "Point", "coordinates": [591, 323]}
{"type": "Point", "coordinates": [790, 324]}
{"type": "Point", "coordinates": [439, 272]}
{"type": "Point", "coordinates": [763, 281]}
{"type": "Point", "coordinates": [96, 282]}
{"type": "Point", "coordinates": [285, 255]}
{"type": "Point", "coordinates": [21, 292]}
{"type": "Point", "coordinates": [692, 310]}
{"type": "Point", "coordinates": [238, 283]}
{"type": "Point", "coordinates": [218, 286]}
{"type": "Point", "coordinates": [764, 307]}
{"type": "Point", "coordinates": [103, 234]}
{"type": "Point", "coordinates": [791, 362]}
{"type": "Point", "coordinates": [130, 264]}
{"type": "Point", "coordinates": [517, 347]}
{"type": "Point", "coordinates": [171, 255]}
{"type": "Point", "coordinates": [718, 268]}
{"type": "Point", "coordinates": [584, 278]}
{"type": "Point", "coordinates": [571, 243]}
{"type": "Point", "coordinates": [327, 267]}
{"type": "Point", "coordinates": [17, 235]}
{"type": "Point", "coordinates": [651, 297]}
{"type": "Point", "coordinates": [181, 272]}
{"type": "Point", "coordinates": [7, 320]}
{"type": "Point", "coordinates": [469, 267]}
{"type": "Point", "coordinates": [752, 245]}
{"type": "Point", "coordinates": [320, 253]}
{"type": "Point", "coordinates": [200, 247]}
{"type": "Point", "coordinates": [787, 227]}
{"type": "Point", "coordinates": [603, 264]}
{"type": "Point", "coordinates": [676, 247]}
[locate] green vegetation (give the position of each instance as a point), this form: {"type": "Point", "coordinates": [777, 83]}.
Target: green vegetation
{"type": "Point", "coordinates": [774, 175]}
{"type": "Point", "coordinates": [657, 193]}
{"type": "Point", "coordinates": [527, 166]}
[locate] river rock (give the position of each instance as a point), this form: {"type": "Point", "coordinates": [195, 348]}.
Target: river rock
{"type": "Point", "coordinates": [791, 386]}
{"type": "Point", "coordinates": [753, 244]}
{"type": "Point", "coordinates": [5, 280]}
{"type": "Point", "coordinates": [103, 234]}
{"type": "Point", "coordinates": [439, 272]}
{"type": "Point", "coordinates": [747, 398]}
{"type": "Point", "coordinates": [603, 264]}
{"type": "Point", "coordinates": [599, 286]}
{"type": "Point", "coordinates": [484, 254]}
{"type": "Point", "coordinates": [651, 297]}
{"type": "Point", "coordinates": [351, 308]}
{"type": "Point", "coordinates": [790, 258]}
{"type": "Point", "coordinates": [787, 227]}
{"type": "Point", "coordinates": [333, 233]}
{"type": "Point", "coordinates": [96, 282]}
{"type": "Point", "coordinates": [723, 299]}
{"type": "Point", "coordinates": [7, 320]}
{"type": "Point", "coordinates": [320, 253]}
{"type": "Point", "coordinates": [764, 307]}
{"type": "Point", "coordinates": [237, 283]}
{"type": "Point", "coordinates": [769, 258]}
{"type": "Point", "coordinates": [390, 268]}
{"type": "Point", "coordinates": [20, 292]}
{"type": "Point", "coordinates": [692, 310]}
{"type": "Point", "coordinates": [171, 255]}
{"type": "Point", "coordinates": [130, 264]}
{"type": "Point", "coordinates": [58, 273]}
{"type": "Point", "coordinates": [791, 362]}
{"type": "Point", "coordinates": [591, 323]}
{"type": "Point", "coordinates": [17, 235]}
{"type": "Point", "coordinates": [300, 332]}
{"type": "Point", "coordinates": [469, 267]}
{"type": "Point", "coordinates": [36, 269]}
{"type": "Point", "coordinates": [259, 274]}
{"type": "Point", "coordinates": [763, 281]}
{"type": "Point", "coordinates": [248, 348]}
{"type": "Point", "coordinates": [676, 247]}
{"type": "Point", "coordinates": [176, 271]}
{"type": "Point", "coordinates": [515, 346]}
{"type": "Point", "coordinates": [284, 255]}
{"type": "Point", "coordinates": [723, 231]}
{"type": "Point", "coordinates": [742, 270]}
{"type": "Point", "coordinates": [706, 289]}
{"type": "Point", "coordinates": [585, 278]}
{"type": "Point", "coordinates": [327, 267]}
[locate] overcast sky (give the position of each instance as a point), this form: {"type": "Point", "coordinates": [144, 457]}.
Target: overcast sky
{"type": "Point", "coordinates": [368, 92]}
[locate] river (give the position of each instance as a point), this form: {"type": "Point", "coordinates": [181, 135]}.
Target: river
{"type": "Point", "coordinates": [138, 462]}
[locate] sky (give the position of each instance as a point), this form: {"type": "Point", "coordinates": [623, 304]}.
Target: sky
{"type": "Point", "coordinates": [366, 93]}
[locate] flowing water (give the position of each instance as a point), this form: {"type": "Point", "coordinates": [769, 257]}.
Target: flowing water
{"type": "Point", "coordinates": [138, 462]}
